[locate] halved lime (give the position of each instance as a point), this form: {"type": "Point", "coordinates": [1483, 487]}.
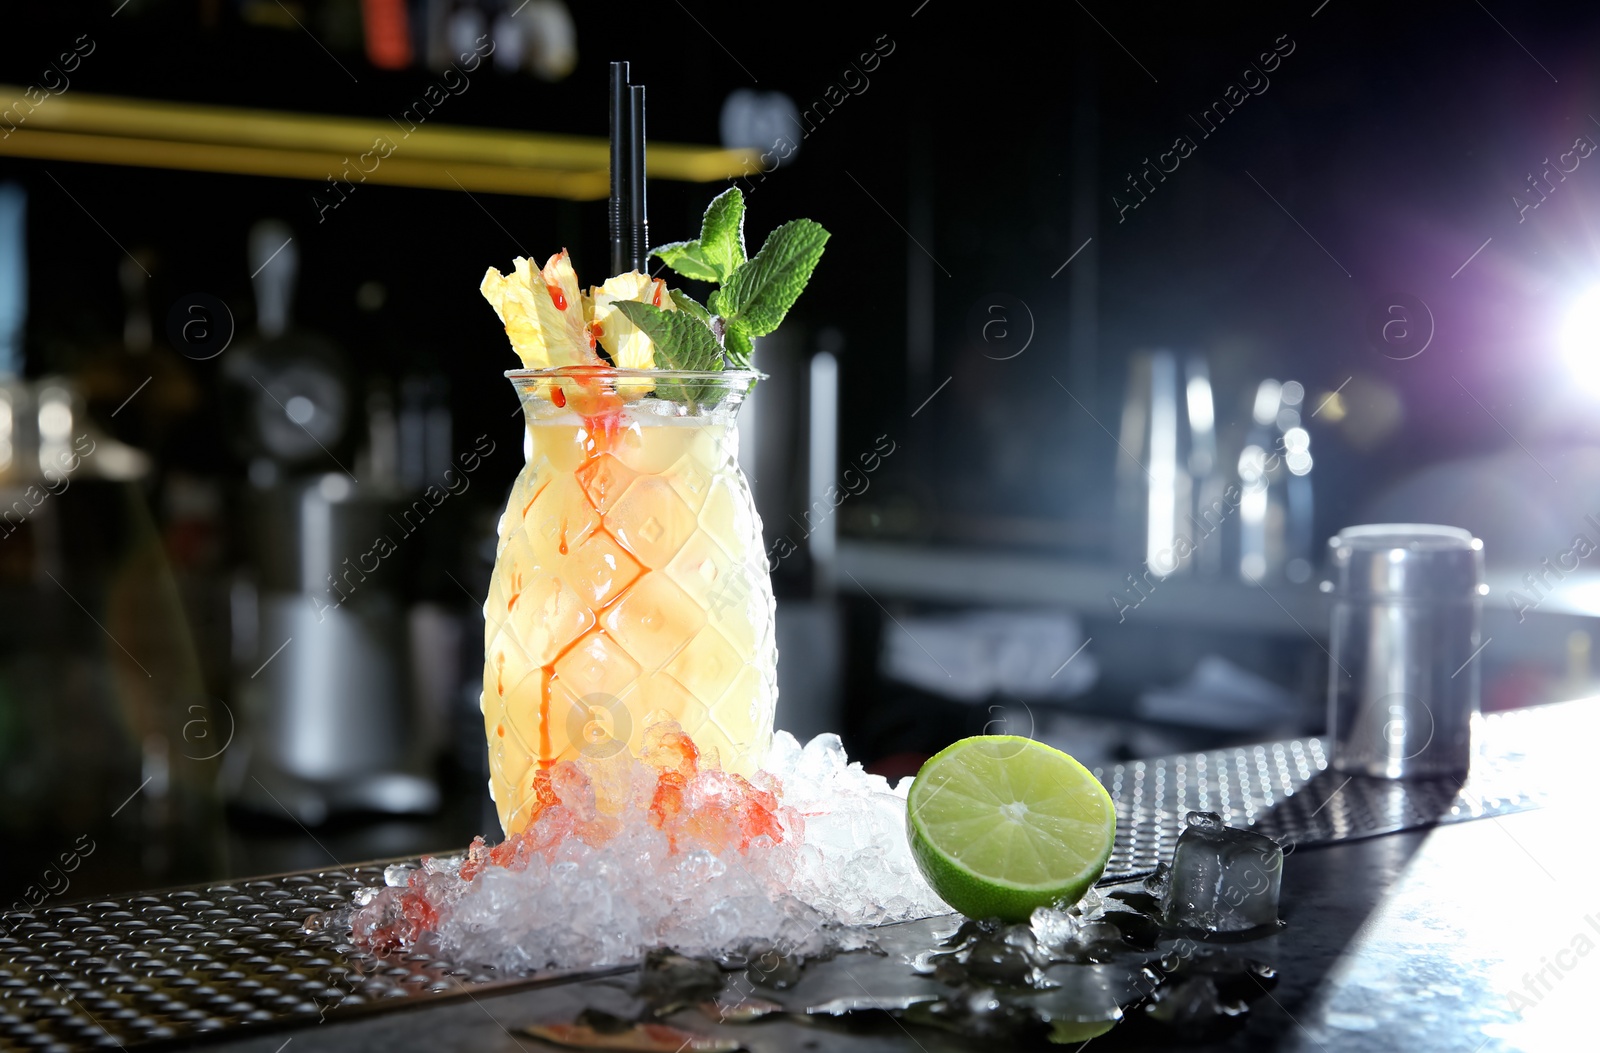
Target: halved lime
{"type": "Point", "coordinates": [1000, 825]}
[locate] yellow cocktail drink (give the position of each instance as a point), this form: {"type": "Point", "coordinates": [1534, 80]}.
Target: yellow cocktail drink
{"type": "Point", "coordinates": [631, 584]}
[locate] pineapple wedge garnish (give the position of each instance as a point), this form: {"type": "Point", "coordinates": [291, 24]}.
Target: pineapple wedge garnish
{"type": "Point", "coordinates": [544, 313]}
{"type": "Point", "coordinates": [628, 346]}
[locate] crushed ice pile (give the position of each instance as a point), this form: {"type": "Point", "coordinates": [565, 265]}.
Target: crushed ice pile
{"type": "Point", "coordinates": [628, 854]}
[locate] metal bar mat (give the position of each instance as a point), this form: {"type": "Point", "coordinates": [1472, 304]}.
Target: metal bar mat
{"type": "Point", "coordinates": [172, 966]}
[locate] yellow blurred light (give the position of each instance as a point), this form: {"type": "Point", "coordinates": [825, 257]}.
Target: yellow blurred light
{"type": "Point", "coordinates": [149, 133]}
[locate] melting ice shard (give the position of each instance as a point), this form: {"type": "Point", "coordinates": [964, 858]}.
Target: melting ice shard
{"type": "Point", "coordinates": [1221, 879]}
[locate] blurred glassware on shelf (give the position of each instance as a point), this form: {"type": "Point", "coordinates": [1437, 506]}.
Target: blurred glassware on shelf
{"type": "Point", "coordinates": [534, 36]}
{"type": "Point", "coordinates": [101, 692]}
{"type": "Point", "coordinates": [758, 120]}
{"type": "Point", "coordinates": [822, 465]}
{"type": "Point", "coordinates": [137, 333]}
{"type": "Point", "coordinates": [13, 276]}
{"type": "Point", "coordinates": [1275, 503]}
{"type": "Point", "coordinates": [47, 440]}
{"type": "Point", "coordinates": [140, 387]}
{"type": "Point", "coordinates": [422, 432]}
{"type": "Point", "coordinates": [386, 26]}
{"type": "Point", "coordinates": [452, 28]}
{"type": "Point", "coordinates": [1169, 487]}
{"type": "Point", "coordinates": [1205, 466]}
{"type": "Point", "coordinates": [100, 683]}
{"type": "Point", "coordinates": [551, 38]}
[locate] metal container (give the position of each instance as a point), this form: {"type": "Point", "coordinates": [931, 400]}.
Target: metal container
{"type": "Point", "coordinates": [325, 676]}
{"type": "Point", "coordinates": [1403, 683]}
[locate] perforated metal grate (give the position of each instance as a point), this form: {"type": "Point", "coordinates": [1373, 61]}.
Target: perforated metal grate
{"type": "Point", "coordinates": [171, 965]}
{"type": "Point", "coordinates": [1239, 784]}
{"type": "Point", "coordinates": [1525, 754]}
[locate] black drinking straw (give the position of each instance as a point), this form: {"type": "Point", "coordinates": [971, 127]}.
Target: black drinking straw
{"type": "Point", "coordinates": [621, 245]}
{"type": "Point", "coordinates": [638, 218]}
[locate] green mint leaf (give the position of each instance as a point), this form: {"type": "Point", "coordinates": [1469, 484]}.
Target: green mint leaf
{"type": "Point", "coordinates": [760, 292]}
{"type": "Point", "coordinates": [686, 302]}
{"type": "Point", "coordinates": [714, 302]}
{"type": "Point", "coordinates": [736, 345]}
{"type": "Point", "coordinates": [688, 259]}
{"type": "Point", "coordinates": [682, 340]}
{"type": "Point", "coordinates": [722, 233]}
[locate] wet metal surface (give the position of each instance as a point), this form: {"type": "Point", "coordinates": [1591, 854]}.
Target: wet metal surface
{"type": "Point", "coordinates": [1488, 941]}
{"type": "Point", "coordinates": [162, 967]}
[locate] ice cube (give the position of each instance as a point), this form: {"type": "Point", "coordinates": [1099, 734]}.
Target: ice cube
{"type": "Point", "coordinates": [1221, 879]}
{"type": "Point", "coordinates": [821, 761]}
{"type": "Point", "coordinates": [782, 755]}
{"type": "Point", "coordinates": [1054, 929]}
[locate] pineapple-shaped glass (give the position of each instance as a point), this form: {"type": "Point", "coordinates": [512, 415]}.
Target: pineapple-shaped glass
{"type": "Point", "coordinates": [630, 582]}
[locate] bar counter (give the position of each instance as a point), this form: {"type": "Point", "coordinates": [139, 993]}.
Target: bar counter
{"type": "Point", "coordinates": [1417, 916]}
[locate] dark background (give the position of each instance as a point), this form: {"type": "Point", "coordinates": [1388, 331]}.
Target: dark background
{"type": "Point", "coordinates": [1396, 139]}
{"type": "Point", "coordinates": [986, 152]}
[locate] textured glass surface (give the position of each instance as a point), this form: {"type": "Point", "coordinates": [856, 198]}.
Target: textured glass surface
{"type": "Point", "coordinates": [630, 584]}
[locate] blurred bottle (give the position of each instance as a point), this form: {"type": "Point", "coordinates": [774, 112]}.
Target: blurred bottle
{"type": "Point", "coordinates": [100, 694]}
{"type": "Point", "coordinates": [1169, 486]}
{"type": "Point", "coordinates": [1275, 507]}
{"type": "Point", "coordinates": [534, 36]}
{"type": "Point", "coordinates": [1205, 468]}
{"type": "Point", "coordinates": [423, 431]}
{"type": "Point", "coordinates": [387, 30]}
{"type": "Point", "coordinates": [13, 277]}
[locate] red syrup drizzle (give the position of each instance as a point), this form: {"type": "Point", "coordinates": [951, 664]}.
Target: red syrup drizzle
{"type": "Point", "coordinates": [600, 408]}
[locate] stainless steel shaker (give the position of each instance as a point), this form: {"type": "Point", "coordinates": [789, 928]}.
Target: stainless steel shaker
{"type": "Point", "coordinates": [1168, 457]}
{"type": "Point", "coordinates": [1403, 680]}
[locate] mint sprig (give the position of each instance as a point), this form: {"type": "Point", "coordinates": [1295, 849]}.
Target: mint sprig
{"type": "Point", "coordinates": [736, 345]}
{"type": "Point", "coordinates": [760, 292]}
{"type": "Point", "coordinates": [714, 255]}
{"type": "Point", "coordinates": [685, 258]}
{"type": "Point", "coordinates": [755, 294]}
{"type": "Point", "coordinates": [722, 232]}
{"type": "Point", "coordinates": [686, 302]}
{"type": "Point", "coordinates": [683, 340]}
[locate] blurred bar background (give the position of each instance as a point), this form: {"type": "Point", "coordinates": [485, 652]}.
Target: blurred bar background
{"type": "Point", "coordinates": [1104, 348]}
